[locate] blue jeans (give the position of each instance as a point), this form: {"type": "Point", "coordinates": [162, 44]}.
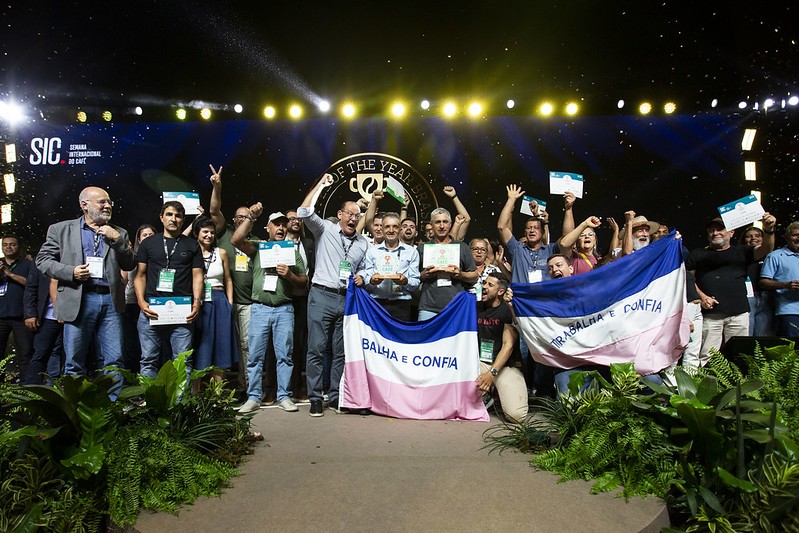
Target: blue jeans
{"type": "Point", "coordinates": [97, 321]}
{"type": "Point", "coordinates": [325, 328]}
{"type": "Point", "coordinates": [275, 325]}
{"type": "Point", "coordinates": [150, 338]}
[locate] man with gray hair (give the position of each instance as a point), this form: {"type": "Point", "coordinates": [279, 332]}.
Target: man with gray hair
{"type": "Point", "coordinates": [440, 284]}
{"type": "Point", "coordinates": [780, 273]}
{"type": "Point", "coordinates": [86, 256]}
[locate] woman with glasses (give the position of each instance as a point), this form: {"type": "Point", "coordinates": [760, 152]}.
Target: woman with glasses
{"type": "Point", "coordinates": [582, 242]}
{"type": "Point", "coordinates": [480, 252]}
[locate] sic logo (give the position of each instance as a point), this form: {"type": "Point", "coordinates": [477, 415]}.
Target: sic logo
{"type": "Point", "coordinates": [45, 151]}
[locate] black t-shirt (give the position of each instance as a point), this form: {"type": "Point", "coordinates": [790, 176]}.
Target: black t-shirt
{"type": "Point", "coordinates": [185, 257]}
{"type": "Point", "coordinates": [11, 292]}
{"type": "Point", "coordinates": [490, 325]}
{"type": "Point", "coordinates": [434, 298]}
{"type": "Point", "coordinates": [722, 274]}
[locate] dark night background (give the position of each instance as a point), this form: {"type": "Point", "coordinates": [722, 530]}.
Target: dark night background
{"type": "Point", "coordinates": [58, 57]}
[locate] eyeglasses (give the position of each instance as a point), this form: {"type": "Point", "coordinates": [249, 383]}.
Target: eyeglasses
{"type": "Point", "coordinates": [478, 249]}
{"type": "Point", "coordinates": [587, 234]}
{"type": "Point", "coordinates": [352, 215]}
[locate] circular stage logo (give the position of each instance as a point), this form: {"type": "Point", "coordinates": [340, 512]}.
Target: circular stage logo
{"type": "Point", "coordinates": [356, 177]}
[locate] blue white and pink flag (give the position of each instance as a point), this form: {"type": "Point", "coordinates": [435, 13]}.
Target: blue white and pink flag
{"type": "Point", "coordinates": [630, 310]}
{"type": "Point", "coordinates": [421, 370]}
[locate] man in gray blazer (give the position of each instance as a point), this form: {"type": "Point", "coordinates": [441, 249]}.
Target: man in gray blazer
{"type": "Point", "coordinates": [86, 256]}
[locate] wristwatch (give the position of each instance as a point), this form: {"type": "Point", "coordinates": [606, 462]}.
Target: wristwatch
{"type": "Point", "coordinates": [494, 371]}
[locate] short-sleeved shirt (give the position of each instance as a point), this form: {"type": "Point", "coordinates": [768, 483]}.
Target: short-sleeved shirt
{"type": "Point", "coordinates": [783, 265]}
{"type": "Point", "coordinates": [242, 279]}
{"type": "Point", "coordinates": [491, 323]}
{"type": "Point", "coordinates": [525, 260]}
{"type": "Point", "coordinates": [185, 257]}
{"type": "Point", "coordinates": [332, 247]}
{"type": "Point", "coordinates": [722, 274]}
{"type": "Point", "coordinates": [582, 263]}
{"type": "Point", "coordinates": [435, 298]}
{"type": "Point", "coordinates": [282, 293]}
{"type": "Point", "coordinates": [11, 299]}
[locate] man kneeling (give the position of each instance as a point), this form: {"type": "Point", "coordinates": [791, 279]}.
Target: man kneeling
{"type": "Point", "coordinates": [500, 358]}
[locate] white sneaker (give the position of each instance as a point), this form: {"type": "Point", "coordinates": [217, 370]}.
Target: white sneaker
{"type": "Point", "coordinates": [288, 406]}
{"type": "Point", "coordinates": [250, 406]}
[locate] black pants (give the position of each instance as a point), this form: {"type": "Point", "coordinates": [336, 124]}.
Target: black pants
{"type": "Point", "coordinates": [48, 352]}
{"type": "Point", "coordinates": [399, 309]}
{"type": "Point", "coordinates": [23, 340]}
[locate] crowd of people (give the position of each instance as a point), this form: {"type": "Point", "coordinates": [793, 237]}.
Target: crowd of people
{"type": "Point", "coordinates": [90, 297]}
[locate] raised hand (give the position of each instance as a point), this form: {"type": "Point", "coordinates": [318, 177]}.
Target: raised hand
{"type": "Point", "coordinates": [449, 190]}
{"type": "Point", "coordinates": [514, 192]}
{"type": "Point", "coordinates": [216, 176]}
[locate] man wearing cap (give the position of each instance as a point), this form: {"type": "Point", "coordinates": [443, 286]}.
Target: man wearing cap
{"type": "Point", "coordinates": [721, 271]}
{"type": "Point", "coordinates": [637, 232]}
{"type": "Point", "coordinates": [780, 273]}
{"type": "Point", "coordinates": [272, 312]}
{"type": "Point", "coordinates": [339, 253]}
{"type": "Point", "coordinates": [86, 256]}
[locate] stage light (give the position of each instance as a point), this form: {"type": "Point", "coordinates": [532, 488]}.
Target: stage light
{"type": "Point", "coordinates": [450, 109]}
{"type": "Point", "coordinates": [546, 109]}
{"type": "Point", "coordinates": [5, 213]}
{"type": "Point", "coordinates": [11, 153]}
{"type": "Point", "coordinates": [81, 116]}
{"type": "Point", "coordinates": [425, 105]}
{"type": "Point", "coordinates": [511, 104]}
{"type": "Point", "coordinates": [572, 108]}
{"type": "Point", "coordinates": [620, 104]}
{"type": "Point", "coordinates": [475, 109]}
{"type": "Point", "coordinates": [107, 116]}
{"type": "Point", "coordinates": [645, 108]}
{"type": "Point", "coordinates": [748, 139]}
{"type": "Point", "coordinates": [669, 108]}
{"type": "Point", "coordinates": [398, 109]}
{"type": "Point", "coordinates": [348, 110]}
{"type": "Point", "coordinates": [769, 102]}
{"type": "Point", "coordinates": [742, 105]}
{"type": "Point", "coordinates": [793, 100]}
{"type": "Point", "coordinates": [181, 114]}
{"type": "Point", "coordinates": [750, 171]}
{"type": "Point", "coordinates": [295, 111]}
{"type": "Point", "coordinates": [205, 113]}
{"type": "Point", "coordinates": [238, 108]}
{"type": "Point", "coordinates": [324, 106]}
{"type": "Point", "coordinates": [269, 111]}
{"type": "Point", "coordinates": [10, 183]}
{"type": "Point", "coordinates": [11, 112]}
{"type": "Point", "coordinates": [138, 110]}
{"type": "Point", "coordinates": [714, 102]}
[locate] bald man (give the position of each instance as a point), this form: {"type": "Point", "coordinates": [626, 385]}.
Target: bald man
{"type": "Point", "coordinates": [86, 256]}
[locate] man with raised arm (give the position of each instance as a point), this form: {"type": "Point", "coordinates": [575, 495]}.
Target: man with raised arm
{"type": "Point", "coordinates": [340, 251]}
{"type": "Point", "coordinates": [86, 256]}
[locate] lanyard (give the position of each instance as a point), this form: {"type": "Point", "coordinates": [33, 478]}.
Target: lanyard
{"type": "Point", "coordinates": [97, 239]}
{"type": "Point", "coordinates": [169, 254]}
{"type": "Point", "coordinates": [590, 264]}
{"type": "Point", "coordinates": [534, 259]}
{"type": "Point", "coordinates": [207, 262]}
{"type": "Point", "coordinates": [345, 247]}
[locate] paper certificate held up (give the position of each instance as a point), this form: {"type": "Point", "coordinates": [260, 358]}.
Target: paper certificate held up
{"type": "Point", "coordinates": [395, 189]}
{"type": "Point", "coordinates": [527, 208]}
{"type": "Point", "coordinates": [441, 255]}
{"type": "Point", "coordinates": [170, 309]}
{"type": "Point", "coordinates": [741, 212]}
{"type": "Point", "coordinates": [388, 264]}
{"type": "Point", "coordinates": [273, 253]}
{"type": "Point", "coordinates": [190, 200]}
{"type": "Point", "coordinates": [563, 182]}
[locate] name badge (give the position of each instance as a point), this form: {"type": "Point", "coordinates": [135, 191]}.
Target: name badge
{"type": "Point", "coordinates": [270, 283]}
{"type": "Point", "coordinates": [534, 276]}
{"type": "Point", "coordinates": [207, 292]}
{"type": "Point", "coordinates": [443, 280]}
{"type": "Point", "coordinates": [242, 264]}
{"type": "Point", "coordinates": [478, 290]}
{"type": "Point", "coordinates": [166, 280]}
{"type": "Point", "coordinates": [95, 267]}
{"type": "Point", "coordinates": [344, 270]}
{"type": "Point", "coordinates": [750, 290]}
{"type": "Point", "coordinates": [3, 288]}
{"type": "Point", "coordinates": [486, 351]}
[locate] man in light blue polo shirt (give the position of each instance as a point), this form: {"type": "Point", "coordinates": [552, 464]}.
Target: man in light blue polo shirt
{"type": "Point", "coordinates": [340, 249]}
{"type": "Point", "coordinates": [780, 273]}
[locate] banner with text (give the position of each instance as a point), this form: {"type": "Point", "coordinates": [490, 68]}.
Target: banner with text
{"type": "Point", "coordinates": [420, 370]}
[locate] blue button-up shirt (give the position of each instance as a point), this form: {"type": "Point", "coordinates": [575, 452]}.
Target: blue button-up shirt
{"type": "Point", "coordinates": [93, 246]}
{"type": "Point", "coordinates": [408, 266]}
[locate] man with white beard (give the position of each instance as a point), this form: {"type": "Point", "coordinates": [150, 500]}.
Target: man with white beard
{"type": "Point", "coordinates": [637, 231]}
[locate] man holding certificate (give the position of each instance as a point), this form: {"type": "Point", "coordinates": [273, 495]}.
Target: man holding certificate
{"type": "Point", "coordinates": [169, 288]}
{"type": "Point", "coordinates": [447, 266]}
{"type": "Point", "coordinates": [391, 271]}
{"type": "Point", "coordinates": [277, 268]}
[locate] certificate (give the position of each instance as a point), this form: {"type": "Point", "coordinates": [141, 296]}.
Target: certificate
{"type": "Point", "coordinates": [741, 212]}
{"type": "Point", "coordinates": [273, 253]}
{"type": "Point", "coordinates": [190, 200]}
{"type": "Point", "coordinates": [395, 189]}
{"type": "Point", "coordinates": [441, 255]}
{"type": "Point", "coordinates": [387, 264]}
{"type": "Point", "coordinates": [563, 182]}
{"type": "Point", "coordinates": [170, 309]}
{"type": "Point", "coordinates": [527, 207]}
